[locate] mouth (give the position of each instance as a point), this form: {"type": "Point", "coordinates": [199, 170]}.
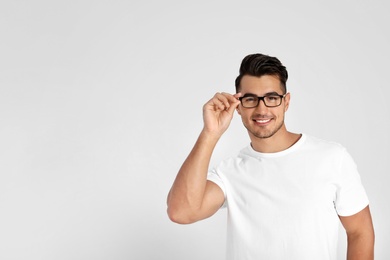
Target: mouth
{"type": "Point", "coordinates": [262, 121]}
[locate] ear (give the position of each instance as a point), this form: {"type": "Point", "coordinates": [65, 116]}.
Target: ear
{"type": "Point", "coordinates": [238, 109]}
{"type": "Point", "coordinates": [287, 101]}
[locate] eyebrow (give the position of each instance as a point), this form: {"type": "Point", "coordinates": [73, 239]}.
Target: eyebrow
{"type": "Point", "coordinates": [266, 94]}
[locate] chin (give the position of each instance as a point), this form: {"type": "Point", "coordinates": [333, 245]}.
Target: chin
{"type": "Point", "coordinates": [264, 135]}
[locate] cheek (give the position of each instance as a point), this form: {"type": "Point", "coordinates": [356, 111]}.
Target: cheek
{"type": "Point", "coordinates": [245, 115]}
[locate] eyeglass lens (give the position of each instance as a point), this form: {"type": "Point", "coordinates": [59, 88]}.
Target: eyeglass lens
{"type": "Point", "coordinates": [269, 101]}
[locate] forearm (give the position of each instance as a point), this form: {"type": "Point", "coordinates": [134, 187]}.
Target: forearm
{"type": "Point", "coordinates": [191, 198]}
{"type": "Point", "coordinates": [360, 247]}
{"type": "Point", "coordinates": [187, 192]}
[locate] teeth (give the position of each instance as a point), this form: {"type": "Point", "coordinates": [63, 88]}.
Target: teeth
{"type": "Point", "coordinates": [263, 121]}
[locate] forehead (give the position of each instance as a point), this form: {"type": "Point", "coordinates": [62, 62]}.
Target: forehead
{"type": "Point", "coordinates": [260, 85]}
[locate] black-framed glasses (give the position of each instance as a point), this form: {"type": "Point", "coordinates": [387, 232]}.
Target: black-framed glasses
{"type": "Point", "coordinates": [272, 100]}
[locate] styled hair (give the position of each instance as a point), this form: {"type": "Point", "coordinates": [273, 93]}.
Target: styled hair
{"type": "Point", "coordinates": [259, 65]}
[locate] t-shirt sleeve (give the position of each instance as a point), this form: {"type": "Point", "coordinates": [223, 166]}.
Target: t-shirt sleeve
{"type": "Point", "coordinates": [214, 177]}
{"type": "Point", "coordinates": [351, 196]}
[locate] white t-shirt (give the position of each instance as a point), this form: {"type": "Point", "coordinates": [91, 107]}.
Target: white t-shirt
{"type": "Point", "coordinates": [285, 205]}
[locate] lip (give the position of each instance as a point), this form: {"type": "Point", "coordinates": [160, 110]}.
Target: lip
{"type": "Point", "coordinates": [262, 121]}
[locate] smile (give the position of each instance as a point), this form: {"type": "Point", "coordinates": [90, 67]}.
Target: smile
{"type": "Point", "coordinates": [262, 121]}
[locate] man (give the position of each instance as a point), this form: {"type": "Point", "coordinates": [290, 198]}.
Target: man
{"type": "Point", "coordinates": [285, 192]}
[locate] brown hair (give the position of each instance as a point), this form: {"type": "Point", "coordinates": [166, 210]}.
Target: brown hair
{"type": "Point", "coordinates": [259, 65]}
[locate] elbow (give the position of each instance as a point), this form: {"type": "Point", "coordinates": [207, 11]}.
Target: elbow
{"type": "Point", "coordinates": [179, 216]}
{"type": "Point", "coordinates": [181, 212]}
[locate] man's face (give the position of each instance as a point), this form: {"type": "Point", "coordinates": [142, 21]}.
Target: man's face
{"type": "Point", "coordinates": [262, 121]}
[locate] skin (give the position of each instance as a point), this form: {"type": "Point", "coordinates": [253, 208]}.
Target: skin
{"type": "Point", "coordinates": [193, 198]}
{"type": "Point", "coordinates": [265, 125]}
{"type": "Point", "coordinates": [360, 235]}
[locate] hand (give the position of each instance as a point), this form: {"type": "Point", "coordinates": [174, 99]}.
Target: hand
{"type": "Point", "coordinates": [218, 112]}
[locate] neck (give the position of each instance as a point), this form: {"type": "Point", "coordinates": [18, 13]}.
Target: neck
{"type": "Point", "coordinates": [280, 141]}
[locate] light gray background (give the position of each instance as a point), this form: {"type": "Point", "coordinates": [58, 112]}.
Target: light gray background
{"type": "Point", "coordinates": [100, 102]}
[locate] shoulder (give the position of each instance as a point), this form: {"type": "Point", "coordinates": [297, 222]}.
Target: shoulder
{"type": "Point", "coordinates": [323, 152]}
{"type": "Point", "coordinates": [234, 162]}
{"type": "Point", "coordinates": [315, 143]}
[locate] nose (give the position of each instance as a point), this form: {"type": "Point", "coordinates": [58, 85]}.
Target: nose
{"type": "Point", "coordinates": [261, 106]}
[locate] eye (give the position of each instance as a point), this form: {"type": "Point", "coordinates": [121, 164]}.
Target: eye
{"type": "Point", "coordinates": [272, 98]}
{"type": "Point", "coordinates": [250, 99]}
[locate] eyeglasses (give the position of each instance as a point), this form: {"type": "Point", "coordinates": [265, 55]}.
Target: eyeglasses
{"type": "Point", "coordinates": [250, 101]}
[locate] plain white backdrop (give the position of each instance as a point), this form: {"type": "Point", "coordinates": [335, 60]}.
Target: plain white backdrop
{"type": "Point", "coordinates": [100, 103]}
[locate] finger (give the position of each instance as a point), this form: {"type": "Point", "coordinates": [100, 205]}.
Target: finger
{"type": "Point", "coordinates": [221, 101]}
{"type": "Point", "coordinates": [231, 99]}
{"type": "Point", "coordinates": [233, 107]}
{"type": "Point", "coordinates": [237, 95]}
{"type": "Point", "coordinates": [232, 102]}
{"type": "Point", "coordinates": [225, 99]}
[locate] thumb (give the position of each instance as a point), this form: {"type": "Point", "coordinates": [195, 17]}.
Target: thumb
{"type": "Point", "coordinates": [233, 107]}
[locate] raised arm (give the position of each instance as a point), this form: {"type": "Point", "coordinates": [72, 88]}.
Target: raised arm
{"type": "Point", "coordinates": [192, 197]}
